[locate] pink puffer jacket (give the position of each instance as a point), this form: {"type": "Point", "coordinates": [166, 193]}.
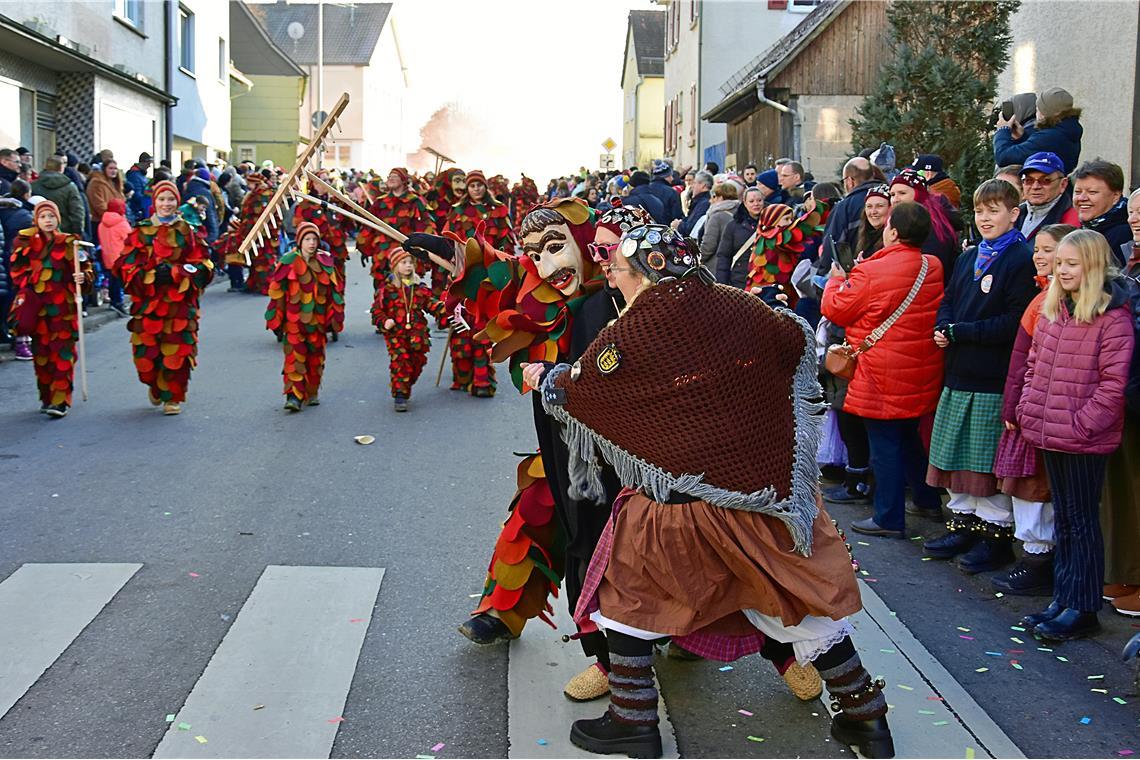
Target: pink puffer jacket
{"type": "Point", "coordinates": [1073, 398]}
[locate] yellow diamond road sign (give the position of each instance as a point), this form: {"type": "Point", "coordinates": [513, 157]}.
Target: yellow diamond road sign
{"type": "Point", "coordinates": [609, 144]}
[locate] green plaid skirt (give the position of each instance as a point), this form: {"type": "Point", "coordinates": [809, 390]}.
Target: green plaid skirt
{"type": "Point", "coordinates": [967, 427]}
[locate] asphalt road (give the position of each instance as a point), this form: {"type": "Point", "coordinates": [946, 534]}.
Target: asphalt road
{"type": "Point", "coordinates": [207, 500]}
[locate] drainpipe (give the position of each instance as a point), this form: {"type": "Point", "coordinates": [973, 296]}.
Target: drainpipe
{"type": "Point", "coordinates": [168, 84]}
{"type": "Point", "coordinates": [797, 122]}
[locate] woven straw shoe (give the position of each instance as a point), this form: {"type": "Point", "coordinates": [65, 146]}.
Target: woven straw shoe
{"type": "Point", "coordinates": [804, 682]}
{"type": "Point", "coordinates": [588, 685]}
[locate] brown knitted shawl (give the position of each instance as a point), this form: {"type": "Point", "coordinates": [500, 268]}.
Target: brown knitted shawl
{"type": "Point", "coordinates": [698, 390]}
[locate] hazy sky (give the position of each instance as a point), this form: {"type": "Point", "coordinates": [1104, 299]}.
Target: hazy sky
{"type": "Point", "coordinates": [540, 78]}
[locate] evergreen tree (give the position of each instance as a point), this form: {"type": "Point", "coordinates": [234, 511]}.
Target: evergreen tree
{"type": "Point", "coordinates": [935, 93]}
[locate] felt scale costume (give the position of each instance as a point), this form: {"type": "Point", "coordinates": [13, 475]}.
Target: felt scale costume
{"type": "Point", "coordinates": [524, 197]}
{"type": "Point", "coordinates": [781, 241]}
{"type": "Point", "coordinates": [304, 306]}
{"type": "Point", "coordinates": [261, 256]}
{"type": "Point", "coordinates": [471, 366]}
{"type": "Point", "coordinates": [44, 307]}
{"type": "Point", "coordinates": [164, 268]}
{"type": "Point", "coordinates": [333, 232]}
{"type": "Point", "coordinates": [446, 191]}
{"type": "Point", "coordinates": [408, 213]}
{"type": "Point", "coordinates": [406, 303]}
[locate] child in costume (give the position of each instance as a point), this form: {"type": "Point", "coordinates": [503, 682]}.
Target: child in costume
{"type": "Point", "coordinates": [43, 273]}
{"type": "Point", "coordinates": [305, 305]}
{"type": "Point", "coordinates": [401, 207]}
{"type": "Point", "coordinates": [399, 312]}
{"type": "Point", "coordinates": [164, 267]}
{"type": "Point", "coordinates": [261, 257]}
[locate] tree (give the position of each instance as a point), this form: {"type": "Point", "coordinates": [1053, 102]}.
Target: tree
{"type": "Point", "coordinates": [935, 93]}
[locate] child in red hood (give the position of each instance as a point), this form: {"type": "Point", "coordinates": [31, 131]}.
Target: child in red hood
{"type": "Point", "coordinates": [113, 232]}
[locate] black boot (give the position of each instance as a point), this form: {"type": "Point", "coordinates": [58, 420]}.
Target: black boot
{"type": "Point", "coordinates": [856, 488]}
{"type": "Point", "coordinates": [1070, 624]}
{"type": "Point", "coordinates": [993, 549]}
{"type": "Point", "coordinates": [858, 702]}
{"type": "Point", "coordinates": [959, 538]}
{"type": "Point", "coordinates": [629, 727]}
{"type": "Point", "coordinates": [1032, 576]}
{"type": "Point", "coordinates": [485, 629]}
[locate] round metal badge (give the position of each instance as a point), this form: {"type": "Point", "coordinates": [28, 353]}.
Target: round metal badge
{"type": "Point", "coordinates": [653, 236]}
{"type": "Point", "coordinates": [628, 247]}
{"type": "Point", "coordinates": [656, 261]}
{"type": "Point", "coordinates": [190, 268]}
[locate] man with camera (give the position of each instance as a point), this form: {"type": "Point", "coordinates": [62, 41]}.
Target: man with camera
{"type": "Point", "coordinates": [1057, 129]}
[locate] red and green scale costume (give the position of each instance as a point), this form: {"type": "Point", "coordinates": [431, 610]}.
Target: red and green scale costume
{"type": "Point", "coordinates": [524, 196]}
{"type": "Point", "coordinates": [305, 305]}
{"type": "Point", "coordinates": [527, 320]}
{"type": "Point", "coordinates": [439, 200]}
{"type": "Point", "coordinates": [164, 316]}
{"type": "Point", "coordinates": [471, 366]}
{"type": "Point", "coordinates": [333, 230]}
{"type": "Point", "coordinates": [42, 272]}
{"type": "Point", "coordinates": [408, 213]}
{"type": "Point", "coordinates": [781, 240]}
{"type": "Point", "coordinates": [406, 303]}
{"type": "Point", "coordinates": [262, 256]}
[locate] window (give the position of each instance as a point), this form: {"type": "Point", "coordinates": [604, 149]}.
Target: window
{"type": "Point", "coordinates": [247, 153]}
{"type": "Point", "coordinates": [337, 155]}
{"type": "Point", "coordinates": [185, 39]}
{"type": "Point", "coordinates": [223, 62]}
{"type": "Point", "coordinates": [693, 12]}
{"type": "Point", "coordinates": [130, 11]}
{"type": "Point", "coordinates": [803, 6]}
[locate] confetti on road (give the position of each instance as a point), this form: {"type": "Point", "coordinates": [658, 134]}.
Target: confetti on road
{"type": "Point", "coordinates": [725, 669]}
{"type": "Point", "coordinates": [170, 718]}
{"type": "Point", "coordinates": [1086, 720]}
{"type": "Point", "coordinates": [926, 559]}
{"type": "Point", "coordinates": [888, 651]}
{"type": "Point", "coordinates": [1016, 640]}
{"type": "Point", "coordinates": [982, 670]}
{"type": "Point", "coordinates": [438, 747]}
{"type": "Point", "coordinates": [200, 739]}
{"type": "Point", "coordinates": [1097, 677]}
{"type": "Point", "coordinates": [963, 630]}
{"type": "Point", "coordinates": [999, 595]}
{"type": "Point", "coordinates": [541, 742]}
{"type": "Point", "coordinates": [994, 654]}
{"type": "Point", "coordinates": [755, 738]}
{"type": "Point", "coordinates": [1100, 691]}
{"type": "Point", "coordinates": [1062, 659]}
{"type": "Point", "coordinates": [862, 543]}
{"type": "Point", "coordinates": [1124, 752]}
{"type": "Point", "coordinates": [259, 707]}
{"type": "Point", "coordinates": [1044, 649]}
{"type": "Point", "coordinates": [904, 686]}
{"type": "Point", "coordinates": [364, 440]}
{"type": "Point", "coordinates": [1016, 665]}
{"type": "Point", "coordinates": [356, 620]}
{"type": "Point", "coordinates": [1119, 701]}
{"type": "Point", "coordinates": [926, 712]}
{"type": "Point", "coordinates": [745, 713]}
{"type": "Point", "coordinates": [970, 753]}
{"type": "Point", "coordinates": [940, 723]}
{"type": "Point", "coordinates": [337, 719]}
{"type": "Point", "coordinates": [964, 636]}
{"type": "Point", "coordinates": [183, 726]}
{"type": "Point", "coordinates": [195, 575]}
{"type": "Point", "coordinates": [1017, 628]}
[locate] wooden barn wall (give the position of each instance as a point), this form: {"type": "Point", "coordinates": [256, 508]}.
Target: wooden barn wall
{"type": "Point", "coordinates": [844, 59]}
{"type": "Point", "coordinates": [760, 138]}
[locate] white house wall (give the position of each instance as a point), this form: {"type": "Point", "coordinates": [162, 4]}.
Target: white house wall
{"type": "Point", "coordinates": [1048, 38]}
{"type": "Point", "coordinates": [384, 97]}
{"type": "Point", "coordinates": [127, 122]}
{"type": "Point", "coordinates": [202, 116]}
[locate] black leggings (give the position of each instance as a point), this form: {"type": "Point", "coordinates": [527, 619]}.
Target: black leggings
{"type": "Point", "coordinates": [776, 652]}
{"type": "Point", "coordinates": [854, 435]}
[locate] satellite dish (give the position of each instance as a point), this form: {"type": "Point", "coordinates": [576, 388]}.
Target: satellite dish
{"type": "Point", "coordinates": [295, 30]}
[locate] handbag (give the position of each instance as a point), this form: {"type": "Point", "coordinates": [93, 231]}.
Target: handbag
{"type": "Point", "coordinates": [842, 358]}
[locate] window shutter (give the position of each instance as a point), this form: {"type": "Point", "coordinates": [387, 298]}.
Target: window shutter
{"type": "Point", "coordinates": [777, 5]}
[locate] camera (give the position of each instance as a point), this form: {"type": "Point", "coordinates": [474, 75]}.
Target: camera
{"type": "Point", "coordinates": [1022, 106]}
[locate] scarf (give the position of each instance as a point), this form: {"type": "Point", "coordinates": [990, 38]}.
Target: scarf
{"type": "Point", "coordinates": [1035, 215]}
{"type": "Point", "coordinates": [991, 249]}
{"type": "Point", "coordinates": [1118, 214]}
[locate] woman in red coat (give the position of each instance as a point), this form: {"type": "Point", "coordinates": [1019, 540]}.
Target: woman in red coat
{"type": "Point", "coordinates": [899, 379]}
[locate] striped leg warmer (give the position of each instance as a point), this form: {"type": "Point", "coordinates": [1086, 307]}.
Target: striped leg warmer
{"type": "Point", "coordinates": [633, 695]}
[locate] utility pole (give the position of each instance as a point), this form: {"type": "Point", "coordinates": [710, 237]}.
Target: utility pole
{"type": "Point", "coordinates": [320, 70]}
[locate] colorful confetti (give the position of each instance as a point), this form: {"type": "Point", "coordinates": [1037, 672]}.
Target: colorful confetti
{"type": "Point", "coordinates": [725, 669]}
{"type": "Point", "coordinates": [170, 718]}
{"type": "Point", "coordinates": [940, 723]}
{"type": "Point", "coordinates": [926, 712]}
{"type": "Point", "coordinates": [541, 742]}
{"type": "Point", "coordinates": [1017, 628]}
{"type": "Point", "coordinates": [1062, 659]}
{"type": "Point", "coordinates": [1100, 691]}
{"type": "Point", "coordinates": [438, 747]}
{"type": "Point", "coordinates": [755, 738]}
{"type": "Point", "coordinates": [200, 739]}
{"type": "Point", "coordinates": [1097, 678]}
{"type": "Point", "coordinates": [1086, 720]}
{"type": "Point", "coordinates": [999, 595]}
{"type": "Point", "coordinates": [963, 630]}
{"type": "Point", "coordinates": [1119, 701]}
{"type": "Point", "coordinates": [981, 670]}
{"type": "Point", "coordinates": [745, 713]}
{"type": "Point", "coordinates": [905, 687]}
{"type": "Point", "coordinates": [1016, 640]}
{"type": "Point", "coordinates": [337, 719]}
{"type": "Point", "coordinates": [183, 726]}
{"type": "Point", "coordinates": [964, 636]}
{"type": "Point", "coordinates": [969, 753]}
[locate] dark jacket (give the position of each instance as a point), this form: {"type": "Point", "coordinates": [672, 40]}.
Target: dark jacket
{"type": "Point", "coordinates": [139, 203]}
{"type": "Point", "coordinates": [735, 235]}
{"type": "Point", "coordinates": [643, 198]}
{"type": "Point", "coordinates": [843, 222]}
{"type": "Point", "coordinates": [670, 199]}
{"type": "Point", "coordinates": [697, 209]}
{"type": "Point", "coordinates": [1064, 139]}
{"type": "Point", "coordinates": [1061, 213]}
{"type": "Point", "coordinates": [7, 177]}
{"type": "Point", "coordinates": [64, 193]}
{"type": "Point", "coordinates": [1113, 224]}
{"type": "Point", "coordinates": [985, 324]}
{"type": "Point", "coordinates": [15, 215]}
{"type": "Point", "coordinates": [200, 188]}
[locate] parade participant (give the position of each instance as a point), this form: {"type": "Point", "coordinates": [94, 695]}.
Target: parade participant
{"type": "Point", "coordinates": [524, 197]}
{"type": "Point", "coordinates": [333, 228]}
{"type": "Point", "coordinates": [782, 239]}
{"type": "Point", "coordinates": [402, 208]}
{"type": "Point", "coordinates": [164, 268]}
{"type": "Point", "coordinates": [261, 257]}
{"type": "Point", "coordinates": [449, 188]}
{"type": "Point", "coordinates": [471, 366]}
{"type": "Point", "coordinates": [399, 313]}
{"type": "Point", "coordinates": [719, 540]}
{"type": "Point", "coordinates": [44, 310]}
{"type": "Point", "coordinates": [304, 306]}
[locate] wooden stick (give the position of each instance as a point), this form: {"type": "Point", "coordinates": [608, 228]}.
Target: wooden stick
{"type": "Point", "coordinates": [446, 352]}
{"type": "Point", "coordinates": [79, 316]}
{"type": "Point", "coordinates": [287, 183]}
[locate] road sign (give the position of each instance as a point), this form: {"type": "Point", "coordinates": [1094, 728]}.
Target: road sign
{"type": "Point", "coordinates": [609, 144]}
{"type": "Point", "coordinates": [606, 162]}
{"type": "Point", "coordinates": [319, 118]}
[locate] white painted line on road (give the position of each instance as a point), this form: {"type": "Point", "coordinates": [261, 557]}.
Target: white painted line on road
{"type": "Point", "coordinates": [916, 682]}
{"type": "Point", "coordinates": [292, 649]}
{"type": "Point", "coordinates": [540, 665]}
{"type": "Point", "coordinates": [43, 608]}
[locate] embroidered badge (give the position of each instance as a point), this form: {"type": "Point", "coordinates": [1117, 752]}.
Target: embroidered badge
{"type": "Point", "coordinates": [987, 283]}
{"type": "Point", "coordinates": [656, 261]}
{"type": "Point", "coordinates": [609, 359]}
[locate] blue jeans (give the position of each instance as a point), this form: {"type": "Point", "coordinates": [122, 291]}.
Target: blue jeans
{"type": "Point", "coordinates": [898, 459]}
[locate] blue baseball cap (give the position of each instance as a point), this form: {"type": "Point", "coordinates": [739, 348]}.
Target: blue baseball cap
{"type": "Point", "coordinates": [1044, 162]}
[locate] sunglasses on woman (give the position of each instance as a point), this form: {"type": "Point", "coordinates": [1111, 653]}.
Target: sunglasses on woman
{"type": "Point", "coordinates": [601, 252]}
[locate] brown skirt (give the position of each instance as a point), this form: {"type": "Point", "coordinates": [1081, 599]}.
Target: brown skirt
{"type": "Point", "coordinates": [680, 568]}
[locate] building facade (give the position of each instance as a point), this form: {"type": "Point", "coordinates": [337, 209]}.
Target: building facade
{"type": "Point", "coordinates": [200, 80]}
{"type": "Point", "coordinates": [81, 76]}
{"type": "Point", "coordinates": [643, 88]}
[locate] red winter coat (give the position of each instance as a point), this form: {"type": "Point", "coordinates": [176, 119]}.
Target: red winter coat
{"type": "Point", "coordinates": [901, 377]}
{"type": "Point", "coordinates": [1073, 399]}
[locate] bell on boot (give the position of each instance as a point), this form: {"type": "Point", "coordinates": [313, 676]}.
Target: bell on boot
{"type": "Point", "coordinates": [993, 550]}
{"type": "Point", "coordinates": [872, 737]}
{"type": "Point", "coordinates": [607, 736]}
{"type": "Point", "coordinates": [959, 538]}
{"type": "Point", "coordinates": [1032, 576]}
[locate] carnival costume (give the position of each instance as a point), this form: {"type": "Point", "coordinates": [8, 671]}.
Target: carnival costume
{"type": "Point", "coordinates": [440, 199]}
{"type": "Point", "coordinates": [304, 306]}
{"type": "Point", "coordinates": [406, 303]}
{"type": "Point", "coordinates": [782, 239]}
{"type": "Point", "coordinates": [524, 197]}
{"type": "Point", "coordinates": [720, 539]}
{"type": "Point", "coordinates": [261, 257]}
{"type": "Point", "coordinates": [164, 268]}
{"type": "Point", "coordinates": [44, 309]}
{"type": "Point", "coordinates": [406, 212]}
{"type": "Point", "coordinates": [333, 232]}
{"type": "Point", "coordinates": [471, 365]}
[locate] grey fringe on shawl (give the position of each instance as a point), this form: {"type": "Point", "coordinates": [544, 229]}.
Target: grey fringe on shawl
{"type": "Point", "coordinates": [798, 512]}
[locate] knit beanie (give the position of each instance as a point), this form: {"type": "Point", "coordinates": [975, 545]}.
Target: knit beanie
{"type": "Point", "coordinates": [396, 255]}
{"type": "Point", "coordinates": [769, 179]}
{"type": "Point", "coordinates": [163, 186]}
{"type": "Point", "coordinates": [45, 203]}
{"type": "Point", "coordinates": [306, 228]}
